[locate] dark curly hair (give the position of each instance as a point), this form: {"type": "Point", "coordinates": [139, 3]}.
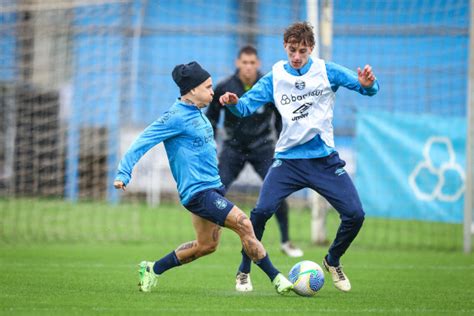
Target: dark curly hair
{"type": "Point", "coordinates": [299, 32]}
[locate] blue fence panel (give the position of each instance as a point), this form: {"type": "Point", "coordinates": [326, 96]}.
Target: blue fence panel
{"type": "Point", "coordinates": [177, 32]}
{"type": "Point", "coordinates": [419, 56]}
{"type": "Point", "coordinates": [7, 46]}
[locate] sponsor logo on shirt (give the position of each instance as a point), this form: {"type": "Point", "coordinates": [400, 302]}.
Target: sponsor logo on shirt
{"type": "Point", "coordinates": [285, 99]}
{"type": "Point", "coordinates": [303, 108]}
{"type": "Point", "coordinates": [302, 111]}
{"type": "Point", "coordinates": [200, 141]}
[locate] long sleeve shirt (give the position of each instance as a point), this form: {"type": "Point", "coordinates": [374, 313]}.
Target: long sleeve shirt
{"type": "Point", "coordinates": [262, 93]}
{"type": "Point", "coordinates": [189, 143]}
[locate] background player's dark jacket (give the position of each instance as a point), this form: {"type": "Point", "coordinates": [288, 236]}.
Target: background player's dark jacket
{"type": "Point", "coordinates": [248, 133]}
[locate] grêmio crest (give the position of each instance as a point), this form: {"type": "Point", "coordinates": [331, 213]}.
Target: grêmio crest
{"type": "Point", "coordinates": [300, 84]}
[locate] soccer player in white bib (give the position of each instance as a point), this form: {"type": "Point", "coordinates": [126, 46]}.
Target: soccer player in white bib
{"type": "Point", "coordinates": [303, 90]}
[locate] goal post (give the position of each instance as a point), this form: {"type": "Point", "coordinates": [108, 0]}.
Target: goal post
{"type": "Point", "coordinates": [322, 23]}
{"type": "Point", "coordinates": [469, 199]}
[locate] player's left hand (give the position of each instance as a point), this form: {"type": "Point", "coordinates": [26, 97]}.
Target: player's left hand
{"type": "Point", "coordinates": [119, 185]}
{"type": "Point", "coordinates": [366, 76]}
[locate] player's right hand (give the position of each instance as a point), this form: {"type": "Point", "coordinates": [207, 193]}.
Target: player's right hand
{"type": "Point", "coordinates": [229, 98]}
{"type": "Point", "coordinates": [366, 76]}
{"type": "Point", "coordinates": [119, 185]}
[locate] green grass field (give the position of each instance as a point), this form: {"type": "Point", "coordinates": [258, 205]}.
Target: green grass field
{"type": "Point", "coordinates": [59, 258]}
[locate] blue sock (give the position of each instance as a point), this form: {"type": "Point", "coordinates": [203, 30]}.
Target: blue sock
{"type": "Point", "coordinates": [267, 266]}
{"type": "Point", "coordinates": [167, 262]}
{"type": "Point", "coordinates": [333, 262]}
{"type": "Point", "coordinates": [245, 264]}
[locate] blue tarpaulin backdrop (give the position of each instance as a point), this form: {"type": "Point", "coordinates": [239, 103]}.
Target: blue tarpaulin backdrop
{"type": "Point", "coordinates": [411, 166]}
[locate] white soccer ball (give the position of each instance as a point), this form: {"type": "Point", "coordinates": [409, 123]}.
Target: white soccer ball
{"type": "Point", "coordinates": [307, 278]}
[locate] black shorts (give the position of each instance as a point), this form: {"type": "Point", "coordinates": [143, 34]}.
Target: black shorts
{"type": "Point", "coordinates": [211, 205]}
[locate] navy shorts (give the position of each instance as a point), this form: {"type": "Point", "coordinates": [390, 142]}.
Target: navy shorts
{"type": "Point", "coordinates": [211, 205]}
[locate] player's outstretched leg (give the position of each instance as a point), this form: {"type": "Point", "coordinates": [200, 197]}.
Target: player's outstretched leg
{"type": "Point", "coordinates": [147, 279]}
{"type": "Point", "coordinates": [240, 223]}
{"type": "Point", "coordinates": [276, 187]}
{"type": "Point", "coordinates": [258, 220]}
{"type": "Point", "coordinates": [208, 236]}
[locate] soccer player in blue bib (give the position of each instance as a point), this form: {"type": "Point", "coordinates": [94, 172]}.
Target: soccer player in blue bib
{"type": "Point", "coordinates": [189, 142]}
{"type": "Point", "coordinates": [303, 90]}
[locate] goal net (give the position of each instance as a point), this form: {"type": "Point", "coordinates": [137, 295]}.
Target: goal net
{"type": "Point", "coordinates": [80, 79]}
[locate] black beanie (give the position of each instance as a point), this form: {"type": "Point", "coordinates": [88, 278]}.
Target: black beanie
{"type": "Point", "coordinates": [189, 76]}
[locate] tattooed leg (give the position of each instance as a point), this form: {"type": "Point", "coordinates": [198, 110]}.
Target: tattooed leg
{"type": "Point", "coordinates": [208, 236]}
{"type": "Point", "coordinates": [240, 223]}
{"type": "Point", "coordinates": [187, 252]}
{"type": "Point", "coordinates": [253, 248]}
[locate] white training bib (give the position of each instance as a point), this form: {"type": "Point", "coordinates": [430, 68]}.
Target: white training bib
{"type": "Point", "coordinates": [305, 103]}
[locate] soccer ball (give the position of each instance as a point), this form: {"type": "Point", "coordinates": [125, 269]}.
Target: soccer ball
{"type": "Point", "coordinates": [307, 278]}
